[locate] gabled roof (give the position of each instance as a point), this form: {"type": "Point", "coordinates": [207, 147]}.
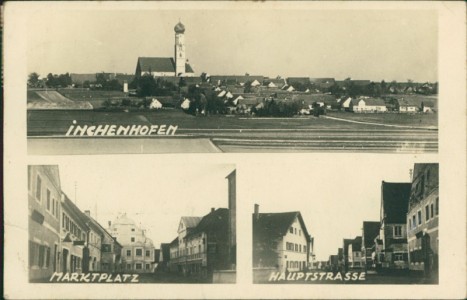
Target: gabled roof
{"type": "Point", "coordinates": [190, 222]}
{"type": "Point", "coordinates": [159, 64]}
{"type": "Point", "coordinates": [271, 226]}
{"type": "Point", "coordinates": [357, 244]}
{"type": "Point", "coordinates": [74, 212]}
{"type": "Point", "coordinates": [302, 80]}
{"type": "Point", "coordinates": [369, 101]}
{"type": "Point", "coordinates": [214, 222]}
{"type": "Point", "coordinates": [174, 242]}
{"type": "Point", "coordinates": [370, 232]}
{"type": "Point", "coordinates": [347, 242]}
{"type": "Point", "coordinates": [395, 201]}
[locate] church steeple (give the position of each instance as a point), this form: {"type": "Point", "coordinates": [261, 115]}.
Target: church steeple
{"type": "Point", "coordinates": [180, 55]}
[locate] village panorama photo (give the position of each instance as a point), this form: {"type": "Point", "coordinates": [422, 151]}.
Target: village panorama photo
{"type": "Point", "coordinates": [307, 80]}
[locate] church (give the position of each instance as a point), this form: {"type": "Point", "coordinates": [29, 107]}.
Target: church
{"type": "Point", "coordinates": [168, 66]}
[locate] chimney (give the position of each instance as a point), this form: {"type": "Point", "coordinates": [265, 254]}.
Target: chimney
{"type": "Point", "coordinates": [256, 211]}
{"type": "Point", "coordinates": [88, 213]}
{"type": "Point", "coordinates": [212, 209]}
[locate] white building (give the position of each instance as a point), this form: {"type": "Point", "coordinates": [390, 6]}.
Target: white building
{"type": "Point", "coordinates": [138, 250]}
{"type": "Point", "coordinates": [280, 241]}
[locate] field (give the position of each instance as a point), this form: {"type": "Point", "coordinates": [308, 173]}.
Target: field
{"type": "Point", "coordinates": [235, 133]}
{"type": "Point", "coordinates": [417, 120]}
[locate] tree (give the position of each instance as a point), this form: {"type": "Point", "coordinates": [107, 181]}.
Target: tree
{"type": "Point", "coordinates": [33, 79]}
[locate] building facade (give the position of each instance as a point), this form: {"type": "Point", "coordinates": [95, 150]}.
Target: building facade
{"type": "Point", "coordinates": [423, 218]}
{"type": "Point", "coordinates": [356, 257]}
{"type": "Point", "coordinates": [44, 211]}
{"type": "Point", "coordinates": [137, 249]}
{"type": "Point", "coordinates": [73, 234]}
{"type": "Point", "coordinates": [370, 231]}
{"type": "Point", "coordinates": [280, 241]}
{"type": "Point", "coordinates": [391, 243]}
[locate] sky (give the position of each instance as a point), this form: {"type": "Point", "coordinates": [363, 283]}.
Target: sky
{"type": "Point", "coordinates": [361, 44]}
{"type": "Point", "coordinates": [154, 195]}
{"type": "Point", "coordinates": [334, 195]}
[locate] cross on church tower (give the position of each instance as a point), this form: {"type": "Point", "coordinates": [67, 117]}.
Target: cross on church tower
{"type": "Point", "coordinates": [180, 54]}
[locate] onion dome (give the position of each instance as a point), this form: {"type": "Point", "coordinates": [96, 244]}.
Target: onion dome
{"type": "Point", "coordinates": [179, 28]}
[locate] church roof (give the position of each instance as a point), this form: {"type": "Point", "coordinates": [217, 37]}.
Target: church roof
{"type": "Point", "coordinates": [159, 64]}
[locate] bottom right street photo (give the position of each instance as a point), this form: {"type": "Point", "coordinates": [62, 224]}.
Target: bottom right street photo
{"type": "Point", "coordinates": [365, 222]}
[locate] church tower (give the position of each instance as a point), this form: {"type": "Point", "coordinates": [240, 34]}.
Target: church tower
{"type": "Point", "coordinates": [180, 54]}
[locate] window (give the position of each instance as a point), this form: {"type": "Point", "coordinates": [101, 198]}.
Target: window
{"type": "Point", "coordinates": [41, 255]}
{"type": "Point", "coordinates": [132, 229]}
{"type": "Point", "coordinates": [414, 222]}
{"type": "Point", "coordinates": [132, 239]}
{"type": "Point", "coordinates": [300, 232]}
{"type": "Point", "coordinates": [148, 266]}
{"type": "Point", "coordinates": [291, 230]}
{"type": "Point", "coordinates": [53, 207]}
{"type": "Point", "coordinates": [300, 248]}
{"type": "Point", "coordinates": [128, 252]}
{"type": "Point", "coordinates": [419, 215]}
{"type": "Point", "coordinates": [148, 253]}
{"type": "Point", "coordinates": [63, 220]}
{"type": "Point", "coordinates": [432, 210]}
{"type": "Point", "coordinates": [139, 266]}
{"type": "Point", "coordinates": [139, 252]}
{"type": "Point", "coordinates": [304, 248]}
{"type": "Point", "coordinates": [38, 188]}
{"type": "Point", "coordinates": [48, 199]}
{"type": "Point", "coordinates": [427, 213]}
{"type": "Point", "coordinates": [33, 253]}
{"type": "Point", "coordinates": [296, 247]}
{"type": "Point", "coordinates": [437, 206]}
{"type": "Point", "coordinates": [128, 266]}
{"type": "Point", "coordinates": [47, 257]}
{"type": "Point", "coordinates": [398, 231]}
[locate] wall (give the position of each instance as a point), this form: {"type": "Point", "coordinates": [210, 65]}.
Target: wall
{"type": "Point", "coordinates": [43, 237]}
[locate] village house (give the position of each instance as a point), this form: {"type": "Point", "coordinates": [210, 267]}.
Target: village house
{"type": "Point", "coordinates": [368, 105]}
{"type": "Point", "coordinates": [177, 66]}
{"type": "Point", "coordinates": [356, 258]}
{"type": "Point", "coordinates": [137, 248]}
{"type": "Point", "coordinates": [109, 250]}
{"type": "Point", "coordinates": [322, 83]}
{"type": "Point", "coordinates": [423, 219]}
{"type": "Point", "coordinates": [407, 105]}
{"type": "Point", "coordinates": [280, 241]}
{"type": "Point", "coordinates": [44, 210]}
{"type": "Point", "coordinates": [370, 231]}
{"type": "Point", "coordinates": [203, 245]}
{"type": "Point", "coordinates": [178, 248]}
{"type": "Point", "coordinates": [393, 253]}
{"type": "Point", "coordinates": [94, 243]}
{"type": "Point", "coordinates": [74, 237]}
{"type": "Point", "coordinates": [345, 253]}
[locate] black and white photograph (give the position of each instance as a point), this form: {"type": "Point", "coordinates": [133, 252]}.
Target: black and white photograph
{"type": "Point", "coordinates": [95, 224]}
{"type": "Point", "coordinates": [234, 149]}
{"type": "Point", "coordinates": [376, 227]}
{"type": "Point", "coordinates": [188, 80]}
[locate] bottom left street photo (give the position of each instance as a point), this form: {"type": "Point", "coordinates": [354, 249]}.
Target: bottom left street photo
{"type": "Point", "coordinates": [132, 223]}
